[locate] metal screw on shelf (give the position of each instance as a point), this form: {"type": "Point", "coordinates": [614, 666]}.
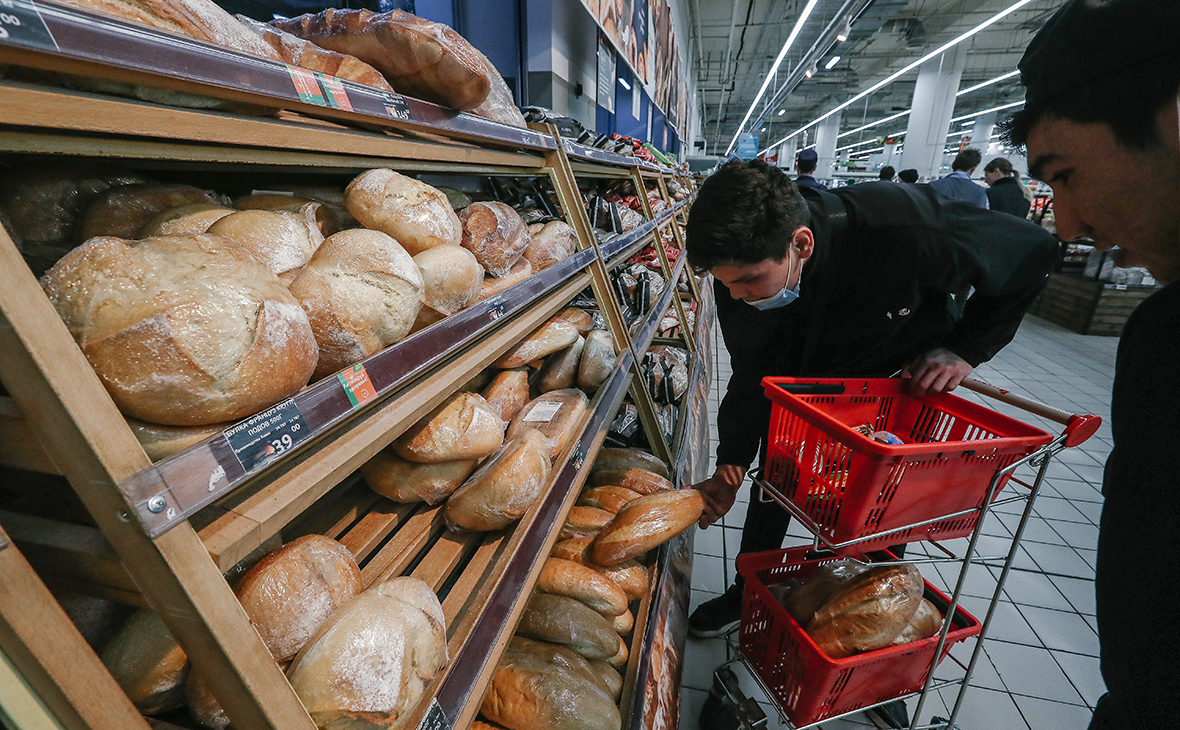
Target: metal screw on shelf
{"type": "Point", "coordinates": [157, 504]}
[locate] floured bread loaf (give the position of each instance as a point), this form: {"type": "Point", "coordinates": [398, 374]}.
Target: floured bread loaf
{"type": "Point", "coordinates": [148, 664]}
{"type": "Point", "coordinates": [508, 392]}
{"type": "Point", "coordinates": [284, 241]}
{"type": "Point", "coordinates": [609, 498]}
{"type": "Point", "coordinates": [292, 591]}
{"type": "Point", "coordinates": [598, 360]}
{"type": "Point", "coordinates": [160, 442]}
{"type": "Point", "coordinates": [452, 278]}
{"type": "Point", "coordinates": [568, 578]}
{"type": "Point", "coordinates": [560, 370]}
{"type": "Point", "coordinates": [414, 213]}
{"type": "Point", "coordinates": [331, 216]}
{"type": "Point", "coordinates": [550, 337]}
{"type": "Point", "coordinates": [558, 415]}
{"type": "Point", "coordinates": [551, 242]}
{"type": "Point", "coordinates": [612, 458]}
{"type": "Point", "coordinates": [584, 522]}
{"type": "Point", "coordinates": [370, 664]}
{"type": "Point", "coordinates": [504, 488]}
{"type": "Point", "coordinates": [645, 523]}
{"type": "Point", "coordinates": [579, 318]}
{"type": "Point", "coordinates": [496, 235]}
{"type": "Point", "coordinates": [123, 211]}
{"type": "Point", "coordinates": [528, 693]}
{"type": "Point", "coordinates": [462, 427]}
{"type": "Point", "coordinates": [629, 575]}
{"type": "Point", "coordinates": [633, 478]}
{"type": "Point", "coordinates": [185, 220]}
{"type": "Point", "coordinates": [407, 482]}
{"type": "Point", "coordinates": [361, 291]}
{"type": "Point", "coordinates": [295, 50]}
{"type": "Point", "coordinates": [183, 330]}
{"type": "Point", "coordinates": [568, 621]}
{"type": "Point", "coordinates": [493, 285]}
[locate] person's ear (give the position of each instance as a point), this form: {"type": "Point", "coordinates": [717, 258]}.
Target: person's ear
{"type": "Point", "coordinates": [803, 242]}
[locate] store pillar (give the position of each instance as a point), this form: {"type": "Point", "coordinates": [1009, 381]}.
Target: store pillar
{"type": "Point", "coordinates": [825, 146]}
{"type": "Point", "coordinates": [981, 135]}
{"type": "Point", "coordinates": [932, 107]}
{"type": "Point", "coordinates": [786, 153]}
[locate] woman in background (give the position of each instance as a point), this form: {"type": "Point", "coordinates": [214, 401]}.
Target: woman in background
{"type": "Point", "coordinates": [1005, 193]}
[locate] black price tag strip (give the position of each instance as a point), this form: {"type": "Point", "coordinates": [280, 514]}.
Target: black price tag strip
{"type": "Point", "coordinates": [267, 436]}
{"type": "Point", "coordinates": [21, 22]}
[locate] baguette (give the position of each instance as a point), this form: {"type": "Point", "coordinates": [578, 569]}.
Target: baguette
{"type": "Point", "coordinates": [624, 623]}
{"type": "Point", "coordinates": [554, 335]}
{"type": "Point", "coordinates": [462, 427]}
{"type": "Point", "coordinates": [608, 498]}
{"type": "Point", "coordinates": [407, 482]}
{"type": "Point", "coordinates": [632, 478]}
{"type": "Point", "coordinates": [868, 612]}
{"type": "Point", "coordinates": [558, 415]}
{"type": "Point", "coordinates": [630, 575]}
{"type": "Point", "coordinates": [646, 523]}
{"type": "Point", "coordinates": [612, 458]}
{"type": "Point", "coordinates": [568, 621]}
{"type": "Point", "coordinates": [504, 488]}
{"type": "Point", "coordinates": [568, 578]}
{"type": "Point", "coordinates": [295, 50]}
{"type": "Point", "coordinates": [584, 522]}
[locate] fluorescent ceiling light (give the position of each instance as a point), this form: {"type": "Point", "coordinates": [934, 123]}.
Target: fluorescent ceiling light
{"type": "Point", "coordinates": [845, 31]}
{"type": "Point", "coordinates": [782, 112]}
{"type": "Point", "coordinates": [988, 111]}
{"type": "Point", "coordinates": [762, 130]}
{"type": "Point", "coordinates": [967, 124]}
{"type": "Point", "coordinates": [899, 115]}
{"type": "Point", "coordinates": [811, 71]}
{"type": "Point", "coordinates": [989, 82]}
{"type": "Point", "coordinates": [831, 62]}
{"type": "Point", "coordinates": [624, 84]}
{"type": "Point", "coordinates": [773, 69]}
{"type": "Point", "coordinates": [858, 144]}
{"type": "Point", "coordinates": [913, 65]}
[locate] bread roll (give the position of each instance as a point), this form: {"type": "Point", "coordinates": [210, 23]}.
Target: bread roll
{"type": "Point", "coordinates": [292, 591]}
{"type": "Point", "coordinates": [868, 612]}
{"type": "Point", "coordinates": [584, 522]}
{"type": "Point", "coordinates": [609, 676]}
{"type": "Point", "coordinates": [160, 442]}
{"type": "Point", "coordinates": [550, 337]}
{"type": "Point", "coordinates": [331, 217]}
{"type": "Point", "coordinates": [558, 655]}
{"type": "Point", "coordinates": [527, 693]}
{"type": "Point", "coordinates": [646, 523]}
{"type": "Point", "coordinates": [295, 50]}
{"type": "Point", "coordinates": [579, 318]}
{"type": "Point", "coordinates": [612, 458]}
{"type": "Point", "coordinates": [567, 578]}
{"type": "Point", "coordinates": [452, 278]}
{"type": "Point", "coordinates": [185, 220]}
{"type": "Point", "coordinates": [407, 482]}
{"type": "Point", "coordinates": [633, 478]}
{"type": "Point", "coordinates": [551, 242]}
{"type": "Point", "coordinates": [148, 664]}
{"type": "Point", "coordinates": [284, 241]}
{"type": "Point", "coordinates": [619, 659]}
{"type": "Point", "coordinates": [496, 235]}
{"type": "Point", "coordinates": [504, 488]}
{"type": "Point", "coordinates": [493, 285]}
{"type": "Point", "coordinates": [414, 213]}
{"type": "Point", "coordinates": [557, 414]}
{"type": "Point", "coordinates": [123, 211]}
{"type": "Point", "coordinates": [370, 664]}
{"type": "Point", "coordinates": [926, 622]}
{"type": "Point", "coordinates": [624, 623]}
{"type": "Point", "coordinates": [500, 104]}
{"type": "Point", "coordinates": [598, 360]}
{"type": "Point", "coordinates": [572, 548]}
{"type": "Point", "coordinates": [183, 330]}
{"type": "Point", "coordinates": [568, 621]}
{"type": "Point", "coordinates": [560, 370]}
{"type": "Point", "coordinates": [202, 705]}
{"type": "Point", "coordinates": [608, 498]}
{"type": "Point", "coordinates": [419, 58]}
{"type": "Point", "coordinates": [462, 427]}
{"type": "Point", "coordinates": [629, 575]}
{"type": "Point", "coordinates": [508, 392]}
{"type": "Point", "coordinates": [361, 291]}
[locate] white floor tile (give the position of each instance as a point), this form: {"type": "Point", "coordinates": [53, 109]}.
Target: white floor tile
{"type": "Point", "coordinates": [1085, 674]}
{"type": "Point", "coordinates": [1047, 715]}
{"type": "Point", "coordinates": [701, 659]}
{"type": "Point", "coordinates": [988, 709]}
{"type": "Point", "coordinates": [1079, 592]}
{"type": "Point", "coordinates": [1031, 671]}
{"type": "Point", "coordinates": [691, 701]}
{"type": "Point", "coordinates": [1063, 630]}
{"type": "Point", "coordinates": [708, 574]}
{"type": "Point", "coordinates": [1034, 589]}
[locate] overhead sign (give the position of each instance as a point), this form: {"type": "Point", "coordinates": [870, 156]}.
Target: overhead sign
{"type": "Point", "coordinates": [747, 146]}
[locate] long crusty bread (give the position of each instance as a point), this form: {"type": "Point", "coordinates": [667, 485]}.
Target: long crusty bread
{"type": "Point", "coordinates": [299, 52]}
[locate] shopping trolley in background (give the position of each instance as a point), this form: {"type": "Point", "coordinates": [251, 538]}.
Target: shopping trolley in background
{"type": "Point", "coordinates": [943, 470]}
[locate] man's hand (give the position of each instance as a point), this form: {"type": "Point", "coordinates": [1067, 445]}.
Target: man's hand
{"type": "Point", "coordinates": [937, 371]}
{"type": "Point", "coordinates": [720, 490]}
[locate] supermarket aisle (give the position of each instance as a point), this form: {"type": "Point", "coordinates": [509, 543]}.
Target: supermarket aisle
{"type": "Point", "coordinates": [1040, 669]}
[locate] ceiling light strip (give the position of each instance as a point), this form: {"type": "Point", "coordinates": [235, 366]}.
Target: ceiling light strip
{"type": "Point", "coordinates": [988, 111]}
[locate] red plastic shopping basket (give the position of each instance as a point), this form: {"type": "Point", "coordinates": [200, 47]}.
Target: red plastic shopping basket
{"type": "Point", "coordinates": [853, 486]}
{"type": "Point", "coordinates": [811, 686]}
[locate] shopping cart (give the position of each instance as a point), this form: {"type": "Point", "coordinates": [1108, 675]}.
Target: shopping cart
{"type": "Point", "coordinates": [862, 464]}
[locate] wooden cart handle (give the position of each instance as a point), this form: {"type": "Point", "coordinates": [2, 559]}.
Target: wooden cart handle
{"type": "Point", "coordinates": [1078, 427]}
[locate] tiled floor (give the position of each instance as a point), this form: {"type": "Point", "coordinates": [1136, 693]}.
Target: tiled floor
{"type": "Point", "coordinates": [1039, 669]}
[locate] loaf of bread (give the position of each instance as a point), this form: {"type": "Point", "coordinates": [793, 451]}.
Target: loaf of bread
{"type": "Point", "coordinates": [584, 522]}
{"type": "Point", "coordinates": [624, 623]}
{"type": "Point", "coordinates": [202, 705]}
{"type": "Point", "coordinates": [609, 676]}
{"type": "Point", "coordinates": [331, 217]}
{"type": "Point", "coordinates": [528, 693]}
{"type": "Point", "coordinates": [407, 482]}
{"type": "Point", "coordinates": [160, 442]}
{"type": "Point", "coordinates": [284, 241]}
{"type": "Point", "coordinates": [185, 220]}
{"type": "Point", "coordinates": [598, 360]}
{"type": "Point", "coordinates": [419, 58]}
{"type": "Point", "coordinates": [568, 621]}
{"type": "Point", "coordinates": [802, 602]}
{"type": "Point", "coordinates": [123, 211]}
{"type": "Point", "coordinates": [629, 575]}
{"type": "Point", "coordinates": [148, 664]}
{"type": "Point", "coordinates": [619, 659]}
{"type": "Point", "coordinates": [461, 427]}
{"type": "Point", "coordinates": [294, 50]}
{"type": "Point", "coordinates": [370, 664]}
{"type": "Point", "coordinates": [551, 242]}
{"type": "Point", "coordinates": [554, 335]}
{"type": "Point", "coordinates": [623, 458]}
{"type": "Point", "coordinates": [557, 414]}
{"type": "Point", "coordinates": [579, 318]}
{"type": "Point", "coordinates": [645, 523]}
{"type": "Point", "coordinates": [200, 19]}
{"type": "Point", "coordinates": [183, 330]}
{"type": "Point", "coordinates": [508, 392]}
{"type": "Point", "coordinates": [568, 578]}
{"type": "Point", "coordinates": [496, 235]}
{"type": "Point", "coordinates": [503, 488]}
{"type": "Point", "coordinates": [560, 370]}
{"type": "Point", "coordinates": [868, 612]}
{"type": "Point", "coordinates": [633, 478]}
{"type": "Point", "coordinates": [609, 498]}
{"type": "Point", "coordinates": [292, 591]}
{"type": "Point", "coordinates": [558, 655]}
{"type": "Point", "coordinates": [362, 292]}
{"type": "Point", "coordinates": [500, 106]}
{"type": "Point", "coordinates": [926, 622]}
{"type": "Point", "coordinates": [414, 213]}
{"type": "Point", "coordinates": [452, 278]}
{"type": "Point", "coordinates": [493, 285]}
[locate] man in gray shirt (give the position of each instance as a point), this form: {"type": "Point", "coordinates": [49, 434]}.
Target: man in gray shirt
{"type": "Point", "coordinates": [958, 185]}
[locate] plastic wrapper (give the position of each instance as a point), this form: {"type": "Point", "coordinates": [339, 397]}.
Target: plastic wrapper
{"type": "Point", "coordinates": [557, 415]}
{"type": "Point", "coordinates": [124, 211]}
{"type": "Point", "coordinates": [561, 368]}
{"type": "Point", "coordinates": [493, 285]}
{"type": "Point", "coordinates": [508, 393]}
{"type": "Point", "coordinates": [415, 214]}
{"type": "Point", "coordinates": [926, 622]}
{"type": "Point", "coordinates": [499, 104]}
{"type": "Point", "coordinates": [558, 655]}
{"type": "Point", "coordinates": [584, 521]}
{"type": "Point", "coordinates": [504, 488]}
{"type": "Point", "coordinates": [579, 318]}
{"type": "Point", "coordinates": [374, 658]}
{"type": "Point", "coordinates": [186, 220]}
{"type": "Point", "coordinates": [462, 427]}
{"type": "Point", "coordinates": [868, 612]}
{"type": "Point", "coordinates": [624, 426]}
{"type": "Point", "coordinates": [556, 334]}
{"type": "Point", "coordinates": [331, 216]}
{"type": "Point", "coordinates": [285, 242]}
{"type": "Point", "coordinates": [407, 482]}
{"type": "Point", "coordinates": [495, 233]}
{"type": "Point", "coordinates": [598, 360]}
{"type": "Point", "coordinates": [561, 577]}
{"type": "Point", "coordinates": [569, 622]}
{"type": "Point", "coordinates": [294, 50]}
{"type": "Point", "coordinates": [627, 458]}
{"type": "Point", "coordinates": [645, 523]}
{"type": "Point", "coordinates": [806, 599]}
{"type": "Point", "coordinates": [160, 442]}
{"type": "Point", "coordinates": [529, 692]}
{"type": "Point", "coordinates": [452, 279]}
{"type": "Point", "coordinates": [629, 575]}
{"type": "Point", "coordinates": [457, 198]}
{"type": "Point", "coordinates": [633, 478]}
{"type": "Point", "coordinates": [610, 498]}
{"type": "Point", "coordinates": [598, 322]}
{"type": "Point", "coordinates": [631, 219]}
{"type": "Point", "coordinates": [148, 664]}
{"type": "Point", "coordinates": [551, 242]}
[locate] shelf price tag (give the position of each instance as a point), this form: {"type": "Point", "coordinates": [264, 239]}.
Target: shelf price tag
{"type": "Point", "coordinates": [21, 22]}
{"type": "Point", "coordinates": [306, 85]}
{"type": "Point", "coordinates": [396, 105]}
{"type": "Point", "coordinates": [357, 385]}
{"type": "Point", "coordinates": [334, 92]}
{"type": "Point", "coordinates": [268, 435]}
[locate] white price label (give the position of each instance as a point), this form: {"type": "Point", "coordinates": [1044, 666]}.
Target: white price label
{"type": "Point", "coordinates": [543, 411]}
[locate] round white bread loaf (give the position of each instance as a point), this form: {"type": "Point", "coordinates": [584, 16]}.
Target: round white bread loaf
{"type": "Point", "coordinates": [496, 235]}
{"type": "Point", "coordinates": [551, 242]}
{"type": "Point", "coordinates": [495, 284]}
{"type": "Point", "coordinates": [508, 392]}
{"type": "Point", "coordinates": [414, 213]}
{"type": "Point", "coordinates": [370, 664]}
{"type": "Point", "coordinates": [557, 414]}
{"type": "Point", "coordinates": [568, 621]}
{"type": "Point", "coordinates": [557, 333]}
{"type": "Point", "coordinates": [183, 330]}
{"type": "Point", "coordinates": [407, 482]}
{"type": "Point", "coordinates": [185, 220]}
{"type": "Point", "coordinates": [529, 693]}
{"type": "Point", "coordinates": [568, 578]}
{"type": "Point", "coordinates": [633, 478]}
{"type": "Point", "coordinates": [148, 664]}
{"type": "Point", "coordinates": [362, 292]}
{"type": "Point", "coordinates": [331, 217]}
{"type": "Point", "coordinates": [452, 278]}
{"type": "Point", "coordinates": [623, 458]}
{"type": "Point", "coordinates": [123, 211]}
{"type": "Point", "coordinates": [598, 360]}
{"type": "Point", "coordinates": [646, 523]}
{"type": "Point", "coordinates": [560, 370]}
{"type": "Point", "coordinates": [160, 442]}
{"type": "Point", "coordinates": [461, 427]}
{"type": "Point", "coordinates": [292, 591]}
{"type": "Point", "coordinates": [284, 241]}
{"type": "Point", "coordinates": [504, 488]}
{"type": "Point", "coordinates": [609, 498]}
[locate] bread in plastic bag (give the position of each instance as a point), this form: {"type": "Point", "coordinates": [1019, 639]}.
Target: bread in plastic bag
{"type": "Point", "coordinates": [609, 498]}
{"type": "Point", "coordinates": [407, 482]}
{"type": "Point", "coordinates": [493, 285]}
{"type": "Point", "coordinates": [417, 215]}
{"type": "Point", "coordinates": [284, 241]}
{"type": "Point", "coordinates": [508, 393]}
{"type": "Point", "coordinates": [569, 622]}
{"type": "Point", "coordinates": [570, 578]}
{"type": "Point", "coordinates": [556, 334]}
{"type": "Point", "coordinates": [623, 458]}
{"type": "Point", "coordinates": [462, 427]}
{"type": "Point", "coordinates": [503, 488]}
{"type": "Point", "coordinates": [560, 370]}
{"type": "Point", "coordinates": [645, 523]}
{"type": "Point", "coordinates": [634, 478]}
{"type": "Point", "coordinates": [868, 612]}
{"type": "Point", "coordinates": [452, 279]}
{"type": "Point", "coordinates": [499, 104]}
{"type": "Point", "coordinates": [557, 414]}
{"type": "Point", "coordinates": [817, 588]}
{"type": "Point", "coordinates": [528, 692]}
{"type": "Point", "coordinates": [926, 622]}
{"type": "Point", "coordinates": [495, 233]}
{"type": "Point", "coordinates": [598, 360]}
{"type": "Point", "coordinates": [551, 242]}
{"type": "Point", "coordinates": [185, 220]}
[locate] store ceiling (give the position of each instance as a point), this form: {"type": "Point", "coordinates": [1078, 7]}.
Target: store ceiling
{"type": "Point", "coordinates": [736, 42]}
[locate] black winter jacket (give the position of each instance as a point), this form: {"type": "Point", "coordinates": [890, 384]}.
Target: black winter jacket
{"type": "Point", "coordinates": [1005, 196]}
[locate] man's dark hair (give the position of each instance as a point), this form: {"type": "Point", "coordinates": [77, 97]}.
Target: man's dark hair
{"type": "Point", "coordinates": [967, 160]}
{"type": "Point", "coordinates": [887, 172]}
{"type": "Point", "coordinates": [745, 213]}
{"type": "Point", "coordinates": [1114, 62]}
{"type": "Point", "coordinates": [908, 176]}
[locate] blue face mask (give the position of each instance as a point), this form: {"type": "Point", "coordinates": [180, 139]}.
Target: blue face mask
{"type": "Point", "coordinates": [782, 299]}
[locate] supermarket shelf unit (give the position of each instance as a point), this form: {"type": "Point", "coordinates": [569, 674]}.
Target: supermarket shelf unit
{"type": "Point", "coordinates": [163, 534]}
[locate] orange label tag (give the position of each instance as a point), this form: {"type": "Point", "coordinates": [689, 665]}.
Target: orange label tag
{"type": "Point", "coordinates": [357, 385]}
{"type": "Point", "coordinates": [306, 85]}
{"type": "Point", "coordinates": [337, 96]}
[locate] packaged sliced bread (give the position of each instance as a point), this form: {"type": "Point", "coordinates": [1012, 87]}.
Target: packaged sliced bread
{"type": "Point", "coordinates": [508, 392]}
{"type": "Point", "coordinates": [504, 488]}
{"type": "Point", "coordinates": [415, 214]}
{"type": "Point", "coordinates": [555, 334]}
{"type": "Point", "coordinates": [557, 414]}
{"type": "Point", "coordinates": [646, 523]}
{"type": "Point", "coordinates": [462, 427]}
{"type": "Point", "coordinates": [568, 621]}
{"type": "Point", "coordinates": [407, 482]}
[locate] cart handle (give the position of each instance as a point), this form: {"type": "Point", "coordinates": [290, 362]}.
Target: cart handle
{"type": "Point", "coordinates": [1078, 427]}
